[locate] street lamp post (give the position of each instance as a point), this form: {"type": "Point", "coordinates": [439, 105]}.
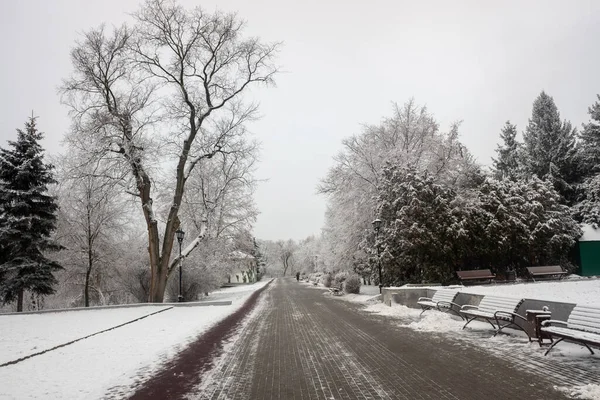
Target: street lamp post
{"type": "Point", "coordinates": [180, 235]}
{"type": "Point", "coordinates": [377, 226]}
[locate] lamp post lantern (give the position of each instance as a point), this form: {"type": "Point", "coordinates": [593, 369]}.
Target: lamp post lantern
{"type": "Point", "coordinates": [180, 235]}
{"type": "Point", "coordinates": [377, 227]}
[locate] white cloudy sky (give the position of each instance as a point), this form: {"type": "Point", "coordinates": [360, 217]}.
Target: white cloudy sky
{"type": "Point", "coordinates": [482, 62]}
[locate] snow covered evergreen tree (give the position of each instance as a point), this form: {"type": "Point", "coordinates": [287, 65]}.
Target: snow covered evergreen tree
{"type": "Point", "coordinates": [589, 146]}
{"type": "Point", "coordinates": [507, 163]}
{"type": "Point", "coordinates": [550, 147]}
{"type": "Point", "coordinates": [27, 218]}
{"type": "Point", "coordinates": [417, 242]}
{"type": "Point", "coordinates": [588, 208]}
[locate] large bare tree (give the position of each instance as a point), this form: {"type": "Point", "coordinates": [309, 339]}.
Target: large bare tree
{"type": "Point", "coordinates": [164, 96]}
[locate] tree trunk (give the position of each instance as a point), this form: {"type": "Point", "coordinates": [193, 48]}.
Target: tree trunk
{"type": "Point", "coordinates": [20, 300]}
{"type": "Point", "coordinates": [86, 290]}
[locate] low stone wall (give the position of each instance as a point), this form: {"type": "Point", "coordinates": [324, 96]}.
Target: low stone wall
{"type": "Point", "coordinates": [410, 296]}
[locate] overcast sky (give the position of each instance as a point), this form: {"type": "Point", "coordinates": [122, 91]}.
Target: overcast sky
{"type": "Point", "coordinates": [345, 62]}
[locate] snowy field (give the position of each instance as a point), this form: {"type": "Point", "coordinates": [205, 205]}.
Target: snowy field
{"type": "Point", "coordinates": [566, 291]}
{"type": "Point", "coordinates": [110, 362]}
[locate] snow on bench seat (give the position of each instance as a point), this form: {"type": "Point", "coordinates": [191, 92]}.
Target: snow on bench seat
{"type": "Point", "coordinates": [496, 308]}
{"type": "Point", "coordinates": [442, 300]}
{"type": "Point", "coordinates": [583, 327]}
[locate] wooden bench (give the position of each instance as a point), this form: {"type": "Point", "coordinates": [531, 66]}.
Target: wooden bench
{"type": "Point", "coordinates": [475, 275]}
{"type": "Point", "coordinates": [336, 290]}
{"type": "Point", "coordinates": [501, 310]}
{"type": "Point", "coordinates": [442, 300]}
{"type": "Point", "coordinates": [583, 326]}
{"type": "Point", "coordinates": [548, 270]}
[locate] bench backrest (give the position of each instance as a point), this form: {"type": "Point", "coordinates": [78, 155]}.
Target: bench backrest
{"type": "Point", "coordinates": [444, 295]}
{"type": "Point", "coordinates": [547, 269]}
{"type": "Point", "coordinates": [475, 274]}
{"type": "Point", "coordinates": [585, 318]}
{"type": "Point", "coordinates": [491, 304]}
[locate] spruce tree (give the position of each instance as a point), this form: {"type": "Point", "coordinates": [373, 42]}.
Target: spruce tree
{"type": "Point", "coordinates": [549, 147]}
{"type": "Point", "coordinates": [27, 218]}
{"type": "Point", "coordinates": [507, 163]}
{"type": "Point", "coordinates": [589, 146]}
{"type": "Point", "coordinates": [588, 208]}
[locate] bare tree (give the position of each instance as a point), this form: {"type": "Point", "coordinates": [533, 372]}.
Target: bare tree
{"type": "Point", "coordinates": [167, 91]}
{"type": "Point", "coordinates": [410, 137]}
{"type": "Point", "coordinates": [91, 220]}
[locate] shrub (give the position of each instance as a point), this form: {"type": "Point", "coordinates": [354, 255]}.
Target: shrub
{"type": "Point", "coordinates": [326, 280]}
{"type": "Point", "coordinates": [352, 284]}
{"type": "Point", "coordinates": [340, 277]}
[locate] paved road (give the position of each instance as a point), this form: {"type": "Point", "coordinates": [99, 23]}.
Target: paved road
{"type": "Point", "coordinates": [299, 344]}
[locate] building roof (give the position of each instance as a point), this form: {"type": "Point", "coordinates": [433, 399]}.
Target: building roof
{"type": "Point", "coordinates": [590, 234]}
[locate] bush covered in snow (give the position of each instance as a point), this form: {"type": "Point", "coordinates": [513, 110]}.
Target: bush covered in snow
{"type": "Point", "coordinates": [326, 280]}
{"type": "Point", "coordinates": [340, 277]}
{"type": "Point", "coordinates": [352, 284]}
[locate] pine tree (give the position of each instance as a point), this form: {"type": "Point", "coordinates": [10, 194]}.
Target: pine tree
{"type": "Point", "coordinates": [27, 218]}
{"type": "Point", "coordinates": [550, 147]}
{"type": "Point", "coordinates": [507, 163]}
{"type": "Point", "coordinates": [589, 146]}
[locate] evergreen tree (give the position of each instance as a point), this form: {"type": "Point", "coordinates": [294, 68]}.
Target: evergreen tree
{"type": "Point", "coordinates": [588, 208]}
{"type": "Point", "coordinates": [27, 218]}
{"type": "Point", "coordinates": [507, 163]}
{"type": "Point", "coordinates": [589, 146]}
{"type": "Point", "coordinates": [550, 147]}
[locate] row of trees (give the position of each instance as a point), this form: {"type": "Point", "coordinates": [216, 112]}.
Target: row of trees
{"type": "Point", "coordinates": [443, 212]}
{"type": "Point", "coordinates": [158, 143]}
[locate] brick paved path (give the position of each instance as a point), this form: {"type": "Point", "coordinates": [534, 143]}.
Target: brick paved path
{"type": "Point", "coordinates": [299, 344]}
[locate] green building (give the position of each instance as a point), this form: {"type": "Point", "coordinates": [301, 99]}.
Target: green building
{"type": "Point", "coordinates": [589, 251]}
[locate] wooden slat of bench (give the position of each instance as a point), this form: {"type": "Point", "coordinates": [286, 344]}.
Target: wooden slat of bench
{"type": "Point", "coordinates": [589, 337]}
{"type": "Point", "coordinates": [546, 270]}
{"type": "Point", "coordinates": [585, 318]}
{"type": "Point", "coordinates": [444, 295]}
{"type": "Point", "coordinates": [494, 303]}
{"type": "Point", "coordinates": [475, 274]}
{"type": "Point", "coordinates": [586, 309]}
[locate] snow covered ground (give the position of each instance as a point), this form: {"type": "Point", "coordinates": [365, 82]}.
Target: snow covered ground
{"type": "Point", "coordinates": [567, 291]}
{"type": "Point", "coordinates": [106, 363]}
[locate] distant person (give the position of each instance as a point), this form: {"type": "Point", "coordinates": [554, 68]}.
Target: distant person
{"type": "Point", "coordinates": [298, 276]}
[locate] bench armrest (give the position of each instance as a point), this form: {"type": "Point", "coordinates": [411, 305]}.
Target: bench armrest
{"type": "Point", "coordinates": [449, 304]}
{"type": "Point", "coordinates": [508, 313]}
{"type": "Point", "coordinates": [424, 299]}
{"type": "Point", "coordinates": [549, 322]}
{"type": "Point", "coordinates": [469, 307]}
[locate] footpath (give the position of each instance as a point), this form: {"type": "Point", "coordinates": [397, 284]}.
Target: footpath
{"type": "Point", "coordinates": [291, 342]}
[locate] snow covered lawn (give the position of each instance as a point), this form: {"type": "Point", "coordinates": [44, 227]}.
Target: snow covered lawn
{"type": "Point", "coordinates": [104, 365]}
{"type": "Point", "coordinates": [566, 291]}
{"type": "Point", "coordinates": [21, 335]}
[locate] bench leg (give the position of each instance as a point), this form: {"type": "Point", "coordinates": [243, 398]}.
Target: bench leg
{"type": "Point", "coordinates": [588, 347]}
{"type": "Point", "coordinates": [500, 327]}
{"type": "Point", "coordinates": [552, 346]}
{"type": "Point", "coordinates": [474, 318]}
{"type": "Point", "coordinates": [454, 311]}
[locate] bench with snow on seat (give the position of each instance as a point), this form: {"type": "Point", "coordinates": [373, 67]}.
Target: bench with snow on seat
{"type": "Point", "coordinates": [475, 275]}
{"type": "Point", "coordinates": [582, 327]}
{"type": "Point", "coordinates": [442, 300]}
{"type": "Point", "coordinates": [501, 310]}
{"type": "Point", "coordinates": [336, 290]}
{"type": "Point", "coordinates": [547, 270]}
